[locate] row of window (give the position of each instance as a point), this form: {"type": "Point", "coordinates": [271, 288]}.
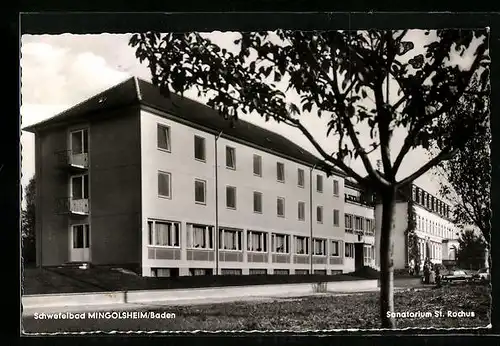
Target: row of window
{"type": "Point", "coordinates": [434, 228]}
{"type": "Point", "coordinates": [431, 250]}
{"type": "Point", "coordinates": [167, 233]}
{"type": "Point", "coordinates": [174, 272]}
{"type": "Point", "coordinates": [430, 202]}
{"type": "Point", "coordinates": [200, 155]}
{"type": "Point", "coordinates": [200, 197]}
{"type": "Point", "coordinates": [359, 223]}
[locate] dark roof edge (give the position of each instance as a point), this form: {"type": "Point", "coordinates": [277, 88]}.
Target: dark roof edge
{"type": "Point", "coordinates": [36, 126]}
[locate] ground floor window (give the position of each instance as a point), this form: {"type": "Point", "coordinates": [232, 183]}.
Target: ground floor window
{"type": "Point", "coordinates": [200, 236]}
{"type": "Point", "coordinates": [320, 271]}
{"type": "Point", "coordinates": [336, 272]}
{"type": "Point", "coordinates": [349, 250]}
{"type": "Point", "coordinates": [200, 271]}
{"type": "Point", "coordinates": [81, 236]}
{"type": "Point", "coordinates": [281, 272]}
{"type": "Point", "coordinates": [165, 272]}
{"type": "Point", "coordinates": [256, 241]}
{"type": "Point", "coordinates": [368, 254]}
{"type": "Point", "coordinates": [301, 271]}
{"type": "Point", "coordinates": [301, 245]}
{"type": "Point", "coordinates": [258, 272]}
{"type": "Point", "coordinates": [319, 247]}
{"type": "Point", "coordinates": [334, 248]}
{"type": "Point", "coordinates": [280, 243]}
{"type": "Point", "coordinates": [230, 239]}
{"type": "Point", "coordinates": [231, 271]}
{"type": "Point", "coordinates": [164, 233]}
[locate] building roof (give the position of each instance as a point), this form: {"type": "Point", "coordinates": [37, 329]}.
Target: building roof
{"type": "Point", "coordinates": [135, 91]}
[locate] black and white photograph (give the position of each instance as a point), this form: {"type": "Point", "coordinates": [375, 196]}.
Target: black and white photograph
{"type": "Point", "coordinates": [283, 180]}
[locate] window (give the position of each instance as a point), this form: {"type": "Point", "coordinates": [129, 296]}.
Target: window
{"type": "Point", "coordinates": [319, 183]}
{"type": "Point", "coordinates": [81, 236]}
{"type": "Point", "coordinates": [358, 223]}
{"type": "Point", "coordinates": [200, 191]}
{"type": "Point", "coordinates": [164, 184]}
{"type": "Point", "coordinates": [280, 172]}
{"type": "Point", "coordinates": [257, 165]}
{"type": "Point", "coordinates": [319, 214]}
{"type": "Point", "coordinates": [300, 177]}
{"type": "Point", "coordinates": [349, 250]}
{"type": "Point", "coordinates": [164, 233]}
{"type": "Point", "coordinates": [301, 245]}
{"type": "Point", "coordinates": [230, 239]}
{"type": "Point", "coordinates": [163, 137]}
{"type": "Point", "coordinates": [199, 148]}
{"type": "Point", "coordinates": [280, 206]}
{"type": "Point", "coordinates": [301, 211]}
{"type": "Point", "coordinates": [335, 187]}
{"type": "Point", "coordinates": [230, 157]}
{"type": "Point", "coordinates": [200, 237]}
{"type": "Point", "coordinates": [80, 142]}
{"type": "Point", "coordinates": [369, 226]}
{"type": "Point", "coordinates": [413, 193]}
{"type": "Point", "coordinates": [334, 249]}
{"type": "Point", "coordinates": [80, 187]}
{"type": "Point", "coordinates": [231, 271]}
{"type": "Point", "coordinates": [348, 221]}
{"type": "Point", "coordinates": [280, 243]}
{"type": "Point", "coordinates": [256, 241]}
{"type": "Point", "coordinates": [319, 247]}
{"type": "Point", "coordinates": [367, 254]}
{"type": "Point", "coordinates": [231, 197]}
{"type": "Point", "coordinates": [257, 202]}
{"type": "Point", "coordinates": [336, 217]}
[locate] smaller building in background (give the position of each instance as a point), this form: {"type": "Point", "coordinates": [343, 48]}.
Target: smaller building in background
{"type": "Point", "coordinates": [436, 233]}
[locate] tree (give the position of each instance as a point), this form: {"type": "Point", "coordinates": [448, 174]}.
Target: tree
{"type": "Point", "coordinates": [470, 252]}
{"type": "Point", "coordinates": [345, 76]}
{"type": "Point", "coordinates": [468, 179]}
{"type": "Point", "coordinates": [28, 217]}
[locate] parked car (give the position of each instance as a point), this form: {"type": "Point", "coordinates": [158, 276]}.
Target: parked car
{"type": "Point", "coordinates": [482, 275]}
{"type": "Point", "coordinates": [456, 275]}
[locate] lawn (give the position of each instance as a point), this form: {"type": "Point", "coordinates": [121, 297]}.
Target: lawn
{"type": "Point", "coordinates": [359, 311]}
{"type": "Point", "coordinates": [103, 279]}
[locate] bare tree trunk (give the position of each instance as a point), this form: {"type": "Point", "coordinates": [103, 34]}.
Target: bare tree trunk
{"type": "Point", "coordinates": [386, 263]}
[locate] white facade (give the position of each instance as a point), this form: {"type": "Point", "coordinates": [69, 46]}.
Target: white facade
{"type": "Point", "coordinates": [179, 163]}
{"type": "Point", "coordinates": [434, 229]}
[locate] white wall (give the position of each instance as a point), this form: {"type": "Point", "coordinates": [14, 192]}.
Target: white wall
{"type": "Point", "coordinates": [185, 169]}
{"type": "Point", "coordinates": [399, 225]}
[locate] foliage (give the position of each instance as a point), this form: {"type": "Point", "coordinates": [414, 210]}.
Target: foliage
{"type": "Point", "coordinates": [470, 252]}
{"type": "Point", "coordinates": [28, 217]}
{"type": "Point", "coordinates": [468, 176]}
{"type": "Point", "coordinates": [413, 248]}
{"type": "Point", "coordinates": [339, 74]}
{"type": "Point", "coordinates": [345, 76]}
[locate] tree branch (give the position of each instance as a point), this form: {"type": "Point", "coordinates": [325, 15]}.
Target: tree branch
{"type": "Point", "coordinates": [445, 154]}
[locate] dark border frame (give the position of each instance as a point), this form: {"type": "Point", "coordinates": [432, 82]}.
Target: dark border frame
{"type": "Point", "coordinates": [114, 22]}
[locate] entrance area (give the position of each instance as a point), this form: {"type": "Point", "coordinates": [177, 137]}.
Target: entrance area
{"type": "Point", "coordinates": [359, 255]}
{"type": "Point", "coordinates": [79, 243]}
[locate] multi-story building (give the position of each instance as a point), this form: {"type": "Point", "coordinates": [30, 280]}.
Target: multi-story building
{"type": "Point", "coordinates": [130, 177]}
{"type": "Point", "coordinates": [359, 226]}
{"type": "Point", "coordinates": [437, 235]}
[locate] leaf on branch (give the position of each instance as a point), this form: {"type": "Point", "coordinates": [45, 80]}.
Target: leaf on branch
{"type": "Point", "coordinates": [417, 62]}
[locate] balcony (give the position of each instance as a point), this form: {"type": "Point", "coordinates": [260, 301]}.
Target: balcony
{"type": "Point", "coordinates": [75, 161]}
{"type": "Point", "coordinates": [358, 200]}
{"type": "Point", "coordinates": [73, 206]}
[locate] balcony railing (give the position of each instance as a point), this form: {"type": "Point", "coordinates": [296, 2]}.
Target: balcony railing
{"type": "Point", "coordinates": [357, 199]}
{"type": "Point", "coordinates": [73, 206]}
{"type": "Point", "coordinates": [68, 158]}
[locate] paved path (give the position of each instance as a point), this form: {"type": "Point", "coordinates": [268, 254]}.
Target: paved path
{"type": "Point", "coordinates": [183, 302]}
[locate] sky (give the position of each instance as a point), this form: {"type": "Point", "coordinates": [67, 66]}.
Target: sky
{"type": "Point", "coordinates": [59, 71]}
